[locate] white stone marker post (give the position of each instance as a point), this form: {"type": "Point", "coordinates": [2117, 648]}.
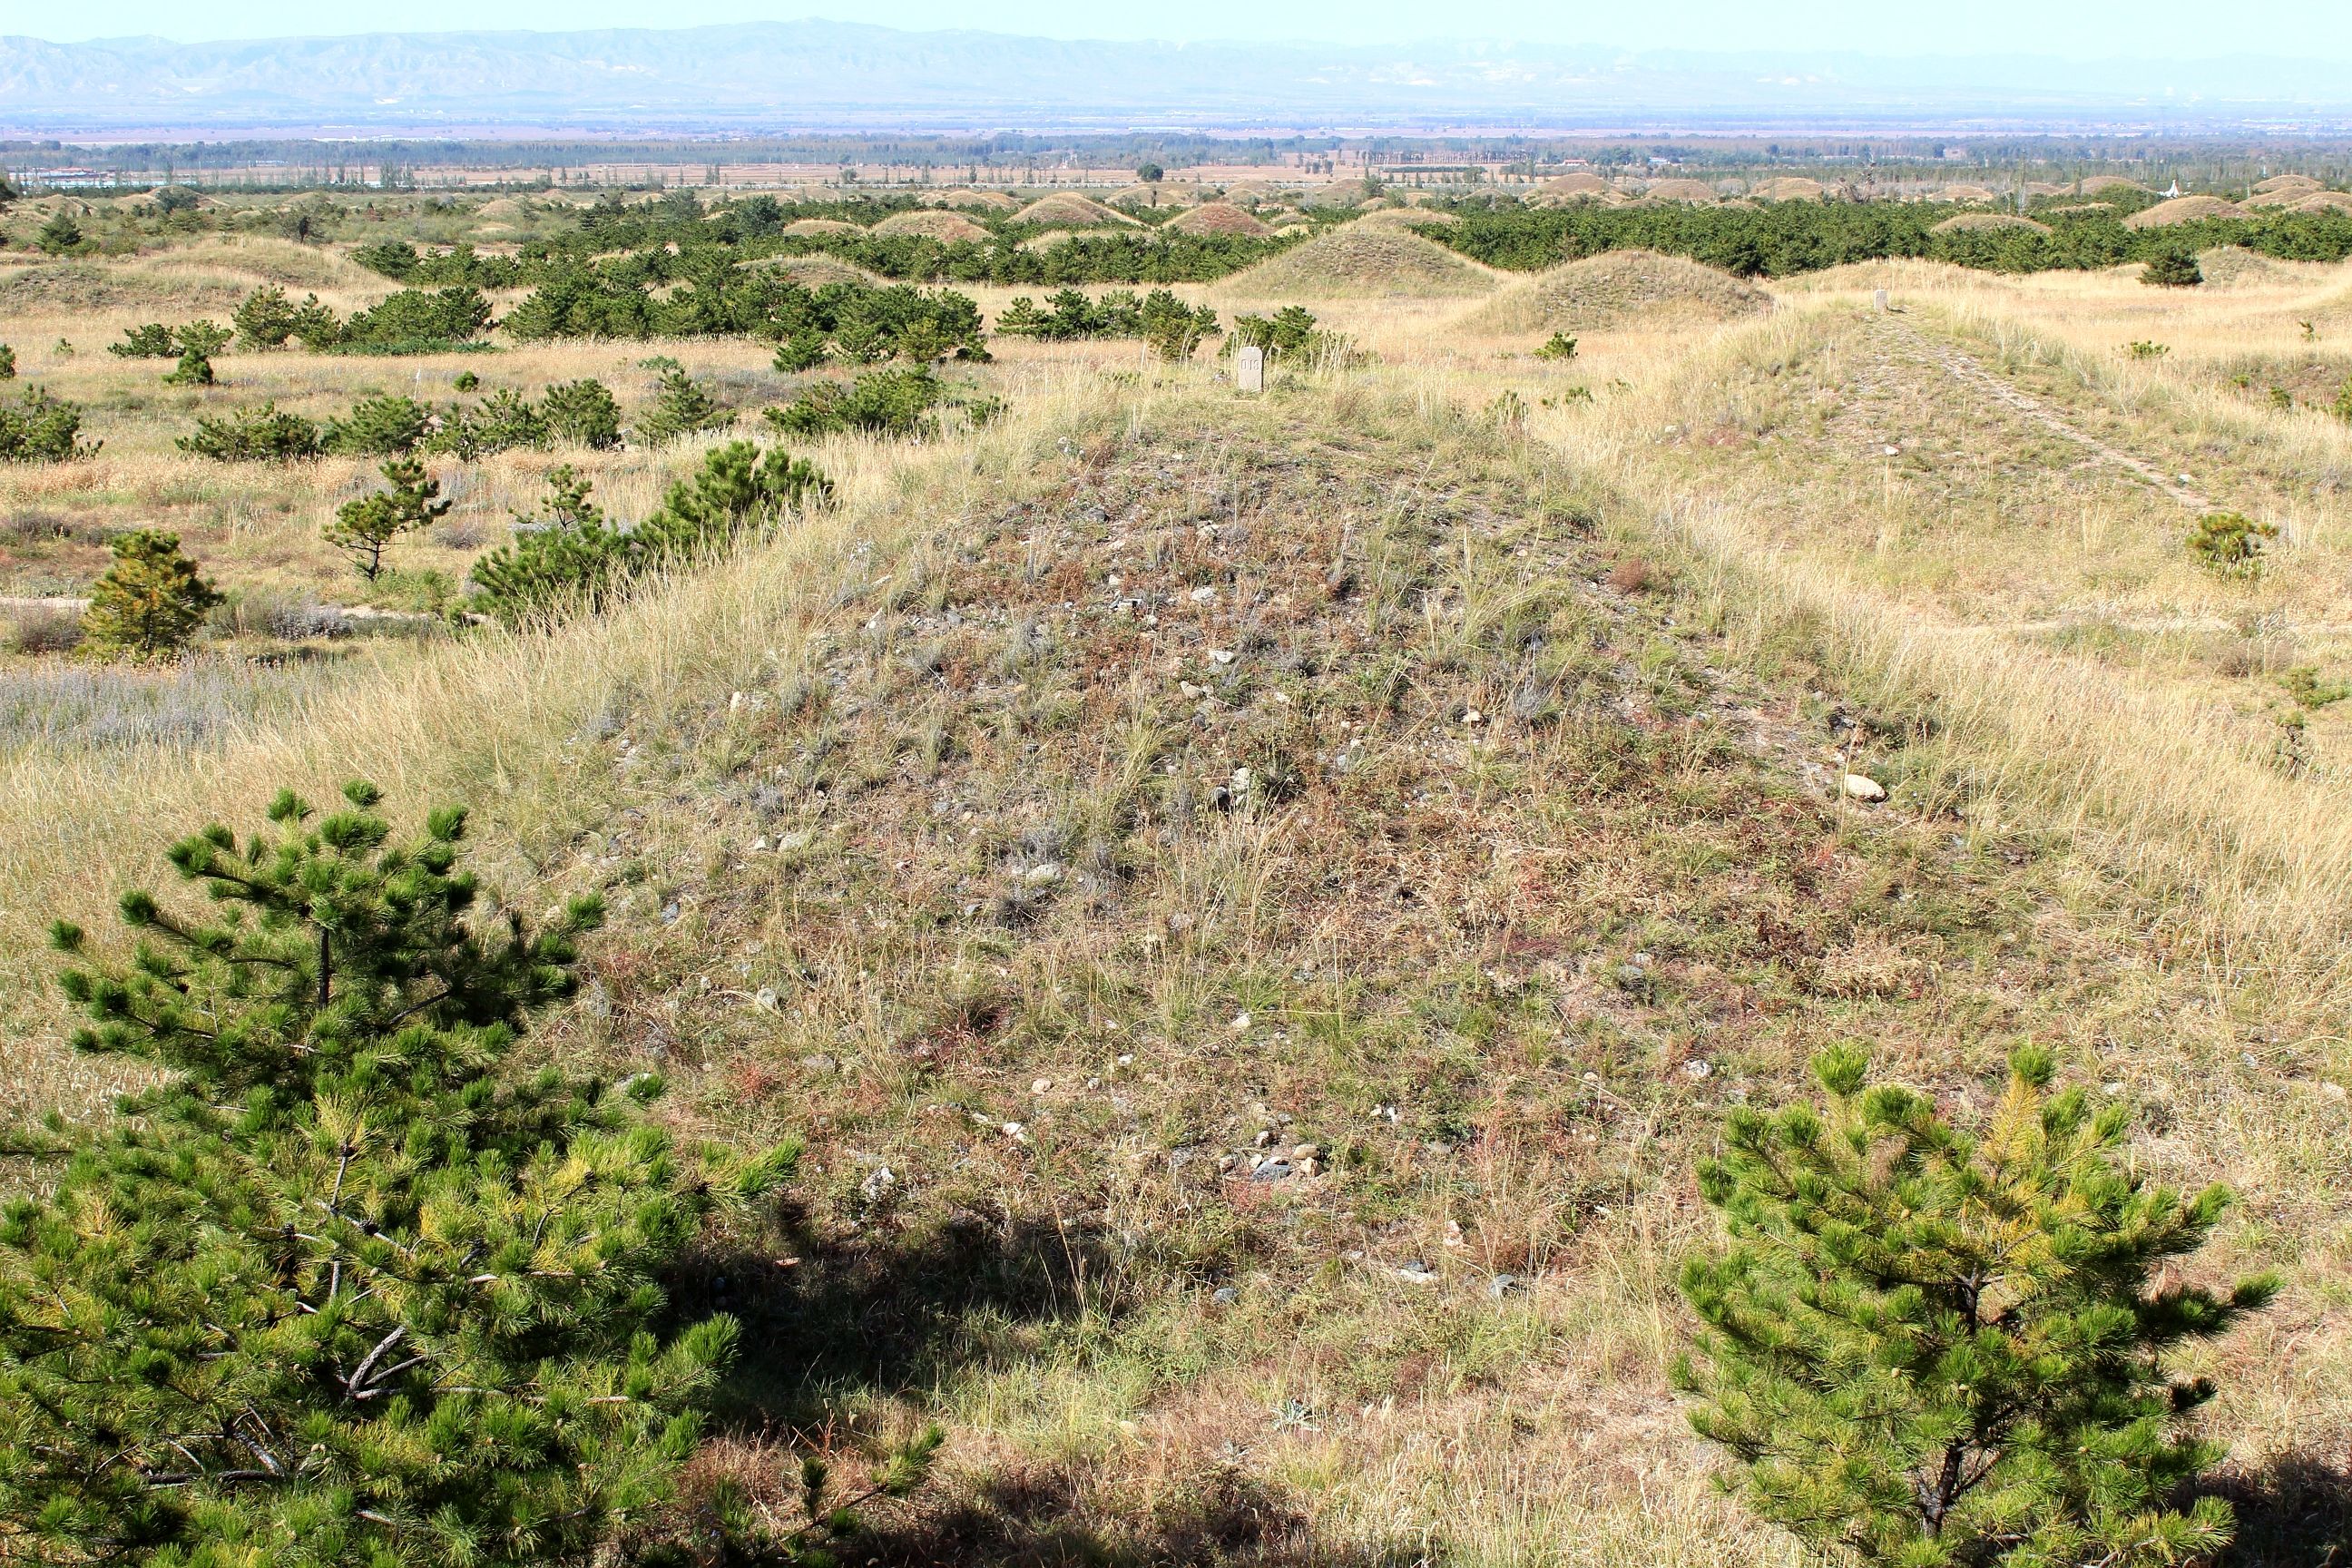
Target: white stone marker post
{"type": "Point", "coordinates": [1249, 369]}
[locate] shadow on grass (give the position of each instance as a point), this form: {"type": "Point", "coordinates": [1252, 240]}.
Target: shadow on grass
{"type": "Point", "coordinates": [2294, 1513]}
{"type": "Point", "coordinates": [890, 1316]}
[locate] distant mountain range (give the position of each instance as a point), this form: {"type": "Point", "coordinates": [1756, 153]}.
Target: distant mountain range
{"type": "Point", "coordinates": [800, 76]}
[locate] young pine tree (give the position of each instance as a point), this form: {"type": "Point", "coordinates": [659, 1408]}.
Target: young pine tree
{"type": "Point", "coordinates": [681, 408]}
{"type": "Point", "coordinates": [1936, 1349]}
{"type": "Point", "coordinates": [339, 1286]}
{"type": "Point", "coordinates": [60, 236]}
{"type": "Point", "coordinates": [365, 527]}
{"type": "Point", "coordinates": [150, 600]}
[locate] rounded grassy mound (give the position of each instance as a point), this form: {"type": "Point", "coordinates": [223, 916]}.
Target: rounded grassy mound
{"type": "Point", "coordinates": [2183, 210]}
{"type": "Point", "coordinates": [1356, 262]}
{"type": "Point", "coordinates": [1696, 191]}
{"type": "Point", "coordinates": [932, 223]}
{"type": "Point", "coordinates": [2324, 202]}
{"type": "Point", "coordinates": [1065, 210]}
{"type": "Point", "coordinates": [990, 201]}
{"type": "Point", "coordinates": [1618, 289]}
{"type": "Point", "coordinates": [1218, 218]}
{"type": "Point", "coordinates": [815, 225]}
{"type": "Point", "coordinates": [1576, 185]}
{"type": "Point", "coordinates": [816, 271]}
{"type": "Point", "coordinates": [2098, 182]}
{"type": "Point", "coordinates": [1963, 193]}
{"type": "Point", "coordinates": [1789, 188]}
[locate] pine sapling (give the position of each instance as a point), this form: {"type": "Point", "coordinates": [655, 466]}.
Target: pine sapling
{"type": "Point", "coordinates": [1942, 1348]}
{"type": "Point", "coordinates": [365, 527]}
{"type": "Point", "coordinates": [150, 600]}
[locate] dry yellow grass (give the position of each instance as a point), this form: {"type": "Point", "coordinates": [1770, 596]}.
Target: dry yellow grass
{"type": "Point", "coordinates": [820, 226]}
{"type": "Point", "coordinates": [931, 223]}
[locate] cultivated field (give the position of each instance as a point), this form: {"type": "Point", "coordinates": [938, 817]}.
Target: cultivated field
{"type": "Point", "coordinates": [1433, 762]}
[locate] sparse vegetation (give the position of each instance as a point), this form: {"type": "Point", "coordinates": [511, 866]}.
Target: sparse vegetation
{"type": "Point", "coordinates": [1259, 904]}
{"type": "Point", "coordinates": [895, 403]}
{"type": "Point", "coordinates": [40, 428]}
{"type": "Point", "coordinates": [262, 434]}
{"type": "Point", "coordinates": [567, 559]}
{"type": "Point", "coordinates": [2231, 545]}
{"type": "Point", "coordinates": [2175, 269]}
{"type": "Point", "coordinates": [681, 408]}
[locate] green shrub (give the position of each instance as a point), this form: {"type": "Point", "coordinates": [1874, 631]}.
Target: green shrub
{"type": "Point", "coordinates": [206, 338]}
{"type": "Point", "coordinates": [2141, 348]}
{"type": "Point", "coordinates": [40, 428]}
{"type": "Point", "coordinates": [318, 327]}
{"type": "Point", "coordinates": [568, 559]}
{"type": "Point", "coordinates": [363, 529]}
{"type": "Point", "coordinates": [416, 318]}
{"type": "Point", "coordinates": [380, 427]}
{"type": "Point", "coordinates": [265, 434]}
{"type": "Point", "coordinates": [584, 412]}
{"type": "Point", "coordinates": [563, 558]}
{"type": "Point", "coordinates": [1560, 346]}
{"type": "Point", "coordinates": [884, 403]}
{"type": "Point", "coordinates": [803, 349]}
{"type": "Point", "coordinates": [2343, 409]}
{"type": "Point", "coordinates": [1288, 334]}
{"type": "Point", "coordinates": [147, 607]}
{"type": "Point", "coordinates": [7, 363]}
{"type": "Point", "coordinates": [1939, 1349]}
{"type": "Point", "coordinates": [60, 236]}
{"type": "Point", "coordinates": [194, 369]}
{"type": "Point", "coordinates": [368, 1291]}
{"type": "Point", "coordinates": [151, 341]}
{"type": "Point", "coordinates": [387, 257]}
{"type": "Point", "coordinates": [498, 423]}
{"type": "Point", "coordinates": [467, 381]}
{"type": "Point", "coordinates": [268, 318]}
{"type": "Point", "coordinates": [2231, 545]}
{"type": "Point", "coordinates": [2175, 269]}
{"type": "Point", "coordinates": [681, 408]}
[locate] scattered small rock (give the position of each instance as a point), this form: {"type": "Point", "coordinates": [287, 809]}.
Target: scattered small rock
{"type": "Point", "coordinates": [1275, 1170]}
{"type": "Point", "coordinates": [1224, 1294]}
{"type": "Point", "coordinates": [1417, 1273]}
{"type": "Point", "coordinates": [1502, 1285]}
{"type": "Point", "coordinates": [1859, 786]}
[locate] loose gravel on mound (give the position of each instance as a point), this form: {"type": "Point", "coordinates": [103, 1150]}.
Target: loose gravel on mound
{"type": "Point", "coordinates": [1621, 287]}
{"type": "Point", "coordinates": [1356, 261]}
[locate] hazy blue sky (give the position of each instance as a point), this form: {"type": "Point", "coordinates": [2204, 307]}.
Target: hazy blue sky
{"type": "Point", "coordinates": [2178, 29]}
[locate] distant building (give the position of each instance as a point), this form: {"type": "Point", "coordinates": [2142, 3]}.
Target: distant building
{"type": "Point", "coordinates": [71, 179]}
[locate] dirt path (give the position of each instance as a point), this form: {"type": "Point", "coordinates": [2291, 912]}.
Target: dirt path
{"type": "Point", "coordinates": [1964, 368]}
